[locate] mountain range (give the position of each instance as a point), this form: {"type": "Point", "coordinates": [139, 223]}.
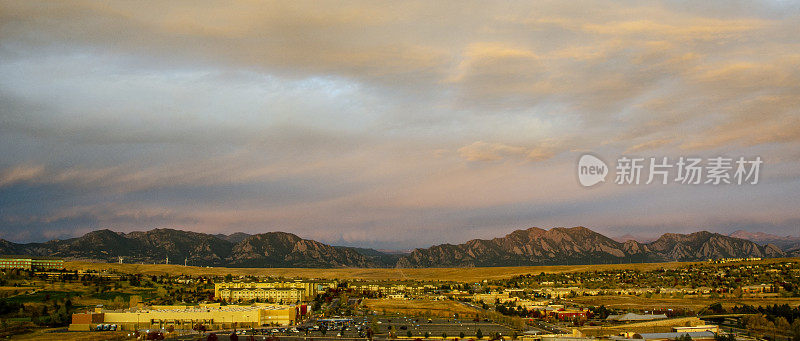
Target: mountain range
{"type": "Point", "coordinates": [533, 246]}
{"type": "Point", "coordinates": [787, 243]}
{"type": "Point", "coordinates": [580, 245]}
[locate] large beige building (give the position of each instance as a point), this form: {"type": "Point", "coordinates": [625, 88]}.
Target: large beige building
{"type": "Point", "coordinates": [276, 292]}
{"type": "Point", "coordinates": [30, 263]}
{"type": "Point", "coordinates": [491, 297]}
{"type": "Point", "coordinates": [275, 295]}
{"type": "Point", "coordinates": [212, 316]}
{"type": "Point", "coordinates": [393, 289]}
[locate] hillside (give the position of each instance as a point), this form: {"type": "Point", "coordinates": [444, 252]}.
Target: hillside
{"type": "Point", "coordinates": [579, 245]}
{"type": "Point", "coordinates": [272, 249]}
{"type": "Point", "coordinates": [786, 243]}
{"type": "Point", "coordinates": [533, 246]}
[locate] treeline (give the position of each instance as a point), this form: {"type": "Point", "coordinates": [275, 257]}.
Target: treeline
{"type": "Point", "coordinates": [51, 313]}
{"type": "Point", "coordinates": [771, 312]}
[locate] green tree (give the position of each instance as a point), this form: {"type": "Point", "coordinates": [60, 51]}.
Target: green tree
{"type": "Point", "coordinates": [796, 330]}
{"type": "Point", "coordinates": [724, 337]}
{"type": "Point", "coordinates": [758, 323]}
{"type": "Point", "coordinates": [134, 301]}
{"type": "Point", "coordinates": [716, 308]}
{"type": "Point", "coordinates": [782, 324]}
{"type": "Point", "coordinates": [479, 334]}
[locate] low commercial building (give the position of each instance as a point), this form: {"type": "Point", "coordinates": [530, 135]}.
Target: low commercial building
{"type": "Point", "coordinates": [491, 298]}
{"type": "Point", "coordinates": [576, 335]}
{"type": "Point", "coordinates": [760, 288]}
{"type": "Point", "coordinates": [532, 305]}
{"type": "Point", "coordinates": [734, 260]}
{"type": "Point", "coordinates": [701, 328]}
{"type": "Point", "coordinates": [31, 263]}
{"type": "Point", "coordinates": [674, 335]}
{"type": "Point", "coordinates": [567, 314]}
{"type": "Point", "coordinates": [212, 316]}
{"type": "Point", "coordinates": [630, 317]}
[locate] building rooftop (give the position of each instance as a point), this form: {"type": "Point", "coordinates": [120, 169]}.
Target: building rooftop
{"type": "Point", "coordinates": [635, 317]}
{"type": "Point", "coordinates": [201, 308]}
{"type": "Point", "coordinates": [674, 335]}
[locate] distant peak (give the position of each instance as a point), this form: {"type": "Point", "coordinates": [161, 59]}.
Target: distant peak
{"type": "Point", "coordinates": [102, 231]}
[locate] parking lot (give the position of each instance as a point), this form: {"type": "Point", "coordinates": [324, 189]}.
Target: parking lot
{"type": "Point", "coordinates": [356, 329]}
{"type": "Point", "coordinates": [437, 326]}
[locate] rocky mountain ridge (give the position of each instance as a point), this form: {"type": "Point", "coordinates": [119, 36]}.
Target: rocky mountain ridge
{"type": "Point", "coordinates": [533, 246]}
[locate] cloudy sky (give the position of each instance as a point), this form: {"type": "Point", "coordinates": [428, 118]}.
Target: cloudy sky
{"type": "Point", "coordinates": [391, 124]}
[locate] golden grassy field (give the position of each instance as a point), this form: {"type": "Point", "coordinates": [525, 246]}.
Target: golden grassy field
{"type": "Point", "coordinates": [659, 326]}
{"type": "Point", "coordinates": [80, 295]}
{"type": "Point", "coordinates": [419, 307]}
{"type": "Point", "coordinates": [688, 302]}
{"type": "Point", "coordinates": [427, 274]}
{"type": "Point", "coordinates": [11, 291]}
{"type": "Point", "coordinates": [50, 334]}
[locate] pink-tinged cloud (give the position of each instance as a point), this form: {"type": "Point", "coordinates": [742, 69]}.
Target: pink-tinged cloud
{"type": "Point", "coordinates": [349, 122]}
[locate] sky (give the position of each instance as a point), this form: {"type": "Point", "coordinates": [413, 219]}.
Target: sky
{"type": "Point", "coordinates": [391, 124]}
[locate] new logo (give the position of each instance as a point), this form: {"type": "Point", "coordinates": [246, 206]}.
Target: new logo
{"type": "Point", "coordinates": [591, 170]}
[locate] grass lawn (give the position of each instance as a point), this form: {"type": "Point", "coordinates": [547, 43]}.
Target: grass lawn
{"type": "Point", "coordinates": [59, 334]}
{"type": "Point", "coordinates": [428, 274]}
{"type": "Point", "coordinates": [111, 295]}
{"type": "Point", "coordinates": [41, 296]}
{"type": "Point", "coordinates": [9, 289]}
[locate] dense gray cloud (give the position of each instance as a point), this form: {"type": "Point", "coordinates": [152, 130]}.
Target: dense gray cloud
{"type": "Point", "coordinates": [350, 122]}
